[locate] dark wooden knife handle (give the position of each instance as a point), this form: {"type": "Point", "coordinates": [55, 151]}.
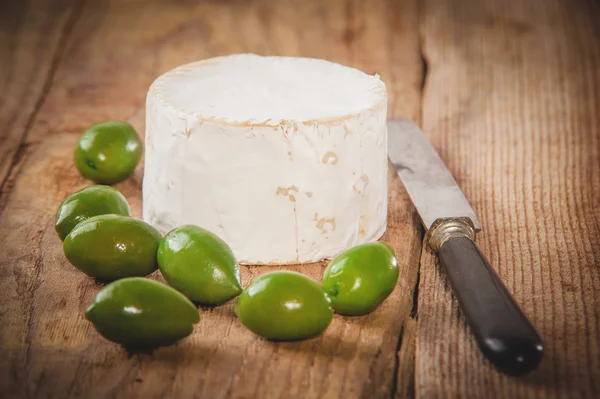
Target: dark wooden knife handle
{"type": "Point", "coordinates": [502, 331]}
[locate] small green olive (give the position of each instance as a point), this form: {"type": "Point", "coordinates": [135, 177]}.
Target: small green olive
{"type": "Point", "coordinates": [139, 312]}
{"type": "Point", "coordinates": [200, 265]}
{"type": "Point", "coordinates": [108, 152]}
{"type": "Point", "coordinates": [360, 278]}
{"type": "Point", "coordinates": [109, 247]}
{"type": "Point", "coordinates": [284, 306]}
{"type": "Point", "coordinates": [90, 201]}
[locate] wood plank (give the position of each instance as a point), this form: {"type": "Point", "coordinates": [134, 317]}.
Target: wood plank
{"type": "Point", "coordinates": [115, 51]}
{"type": "Point", "coordinates": [31, 44]}
{"type": "Point", "coordinates": [512, 103]}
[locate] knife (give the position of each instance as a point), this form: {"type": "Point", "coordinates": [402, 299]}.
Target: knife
{"type": "Point", "coordinates": [504, 334]}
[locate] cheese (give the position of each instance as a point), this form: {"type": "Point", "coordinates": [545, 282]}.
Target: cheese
{"type": "Point", "coordinates": [284, 158]}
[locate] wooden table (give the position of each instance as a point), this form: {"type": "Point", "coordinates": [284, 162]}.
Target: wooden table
{"type": "Point", "coordinates": [508, 92]}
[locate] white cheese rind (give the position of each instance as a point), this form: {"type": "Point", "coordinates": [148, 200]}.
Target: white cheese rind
{"type": "Point", "coordinates": [297, 187]}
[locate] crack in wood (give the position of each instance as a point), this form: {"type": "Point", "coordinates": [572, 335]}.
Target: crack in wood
{"type": "Point", "coordinates": [424, 70]}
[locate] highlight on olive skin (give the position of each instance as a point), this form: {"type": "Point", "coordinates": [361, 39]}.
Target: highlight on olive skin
{"type": "Point", "coordinates": [91, 201]}
{"type": "Point", "coordinates": [141, 313]}
{"type": "Point", "coordinates": [361, 278]}
{"type": "Point", "coordinates": [110, 247]}
{"type": "Point", "coordinates": [284, 306]}
{"type": "Point", "coordinates": [199, 264]}
{"type": "Point", "coordinates": [108, 152]}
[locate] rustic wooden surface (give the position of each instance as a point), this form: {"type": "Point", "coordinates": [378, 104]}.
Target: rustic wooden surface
{"type": "Point", "coordinates": [510, 96]}
{"type": "Point", "coordinates": [108, 55]}
{"type": "Point", "coordinates": [512, 101]}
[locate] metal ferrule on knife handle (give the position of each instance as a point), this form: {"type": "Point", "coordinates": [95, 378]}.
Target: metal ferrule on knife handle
{"type": "Point", "coordinates": [503, 333]}
{"type": "Point", "coordinates": [445, 229]}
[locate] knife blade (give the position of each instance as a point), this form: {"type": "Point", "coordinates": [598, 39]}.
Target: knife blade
{"type": "Point", "coordinates": [504, 334]}
{"type": "Point", "coordinates": [429, 183]}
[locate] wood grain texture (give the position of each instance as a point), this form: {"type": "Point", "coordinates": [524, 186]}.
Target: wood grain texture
{"type": "Point", "coordinates": [31, 43]}
{"type": "Point", "coordinates": [110, 57]}
{"type": "Point", "coordinates": [512, 103]}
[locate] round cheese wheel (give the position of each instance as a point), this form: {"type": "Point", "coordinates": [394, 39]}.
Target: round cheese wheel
{"type": "Point", "coordinates": [284, 158]}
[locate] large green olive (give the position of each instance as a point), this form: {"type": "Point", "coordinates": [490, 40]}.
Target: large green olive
{"type": "Point", "coordinates": [139, 312]}
{"type": "Point", "coordinates": [108, 152]}
{"type": "Point", "coordinates": [360, 278]}
{"type": "Point", "coordinates": [109, 247]}
{"type": "Point", "coordinates": [284, 306]}
{"type": "Point", "coordinates": [91, 201]}
{"type": "Point", "coordinates": [200, 265]}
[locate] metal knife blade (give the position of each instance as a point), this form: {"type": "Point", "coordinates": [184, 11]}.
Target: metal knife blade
{"type": "Point", "coordinates": [429, 183]}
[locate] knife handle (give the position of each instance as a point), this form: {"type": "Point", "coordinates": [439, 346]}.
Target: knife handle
{"type": "Point", "coordinates": [502, 331]}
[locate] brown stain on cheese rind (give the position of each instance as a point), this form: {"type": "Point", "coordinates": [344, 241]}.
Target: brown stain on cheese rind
{"type": "Point", "coordinates": [323, 222]}
{"type": "Point", "coordinates": [330, 158]}
{"type": "Point", "coordinates": [288, 191]}
{"type": "Point", "coordinates": [347, 130]}
{"type": "Point", "coordinates": [309, 194]}
{"type": "Point", "coordinates": [362, 226]}
{"type": "Point", "coordinates": [360, 186]}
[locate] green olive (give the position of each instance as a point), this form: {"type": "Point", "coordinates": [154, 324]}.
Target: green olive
{"type": "Point", "coordinates": [360, 278]}
{"type": "Point", "coordinates": [108, 152]}
{"type": "Point", "coordinates": [284, 306]}
{"type": "Point", "coordinates": [91, 201]}
{"type": "Point", "coordinates": [139, 312]}
{"type": "Point", "coordinates": [109, 247]}
{"type": "Point", "coordinates": [199, 264]}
